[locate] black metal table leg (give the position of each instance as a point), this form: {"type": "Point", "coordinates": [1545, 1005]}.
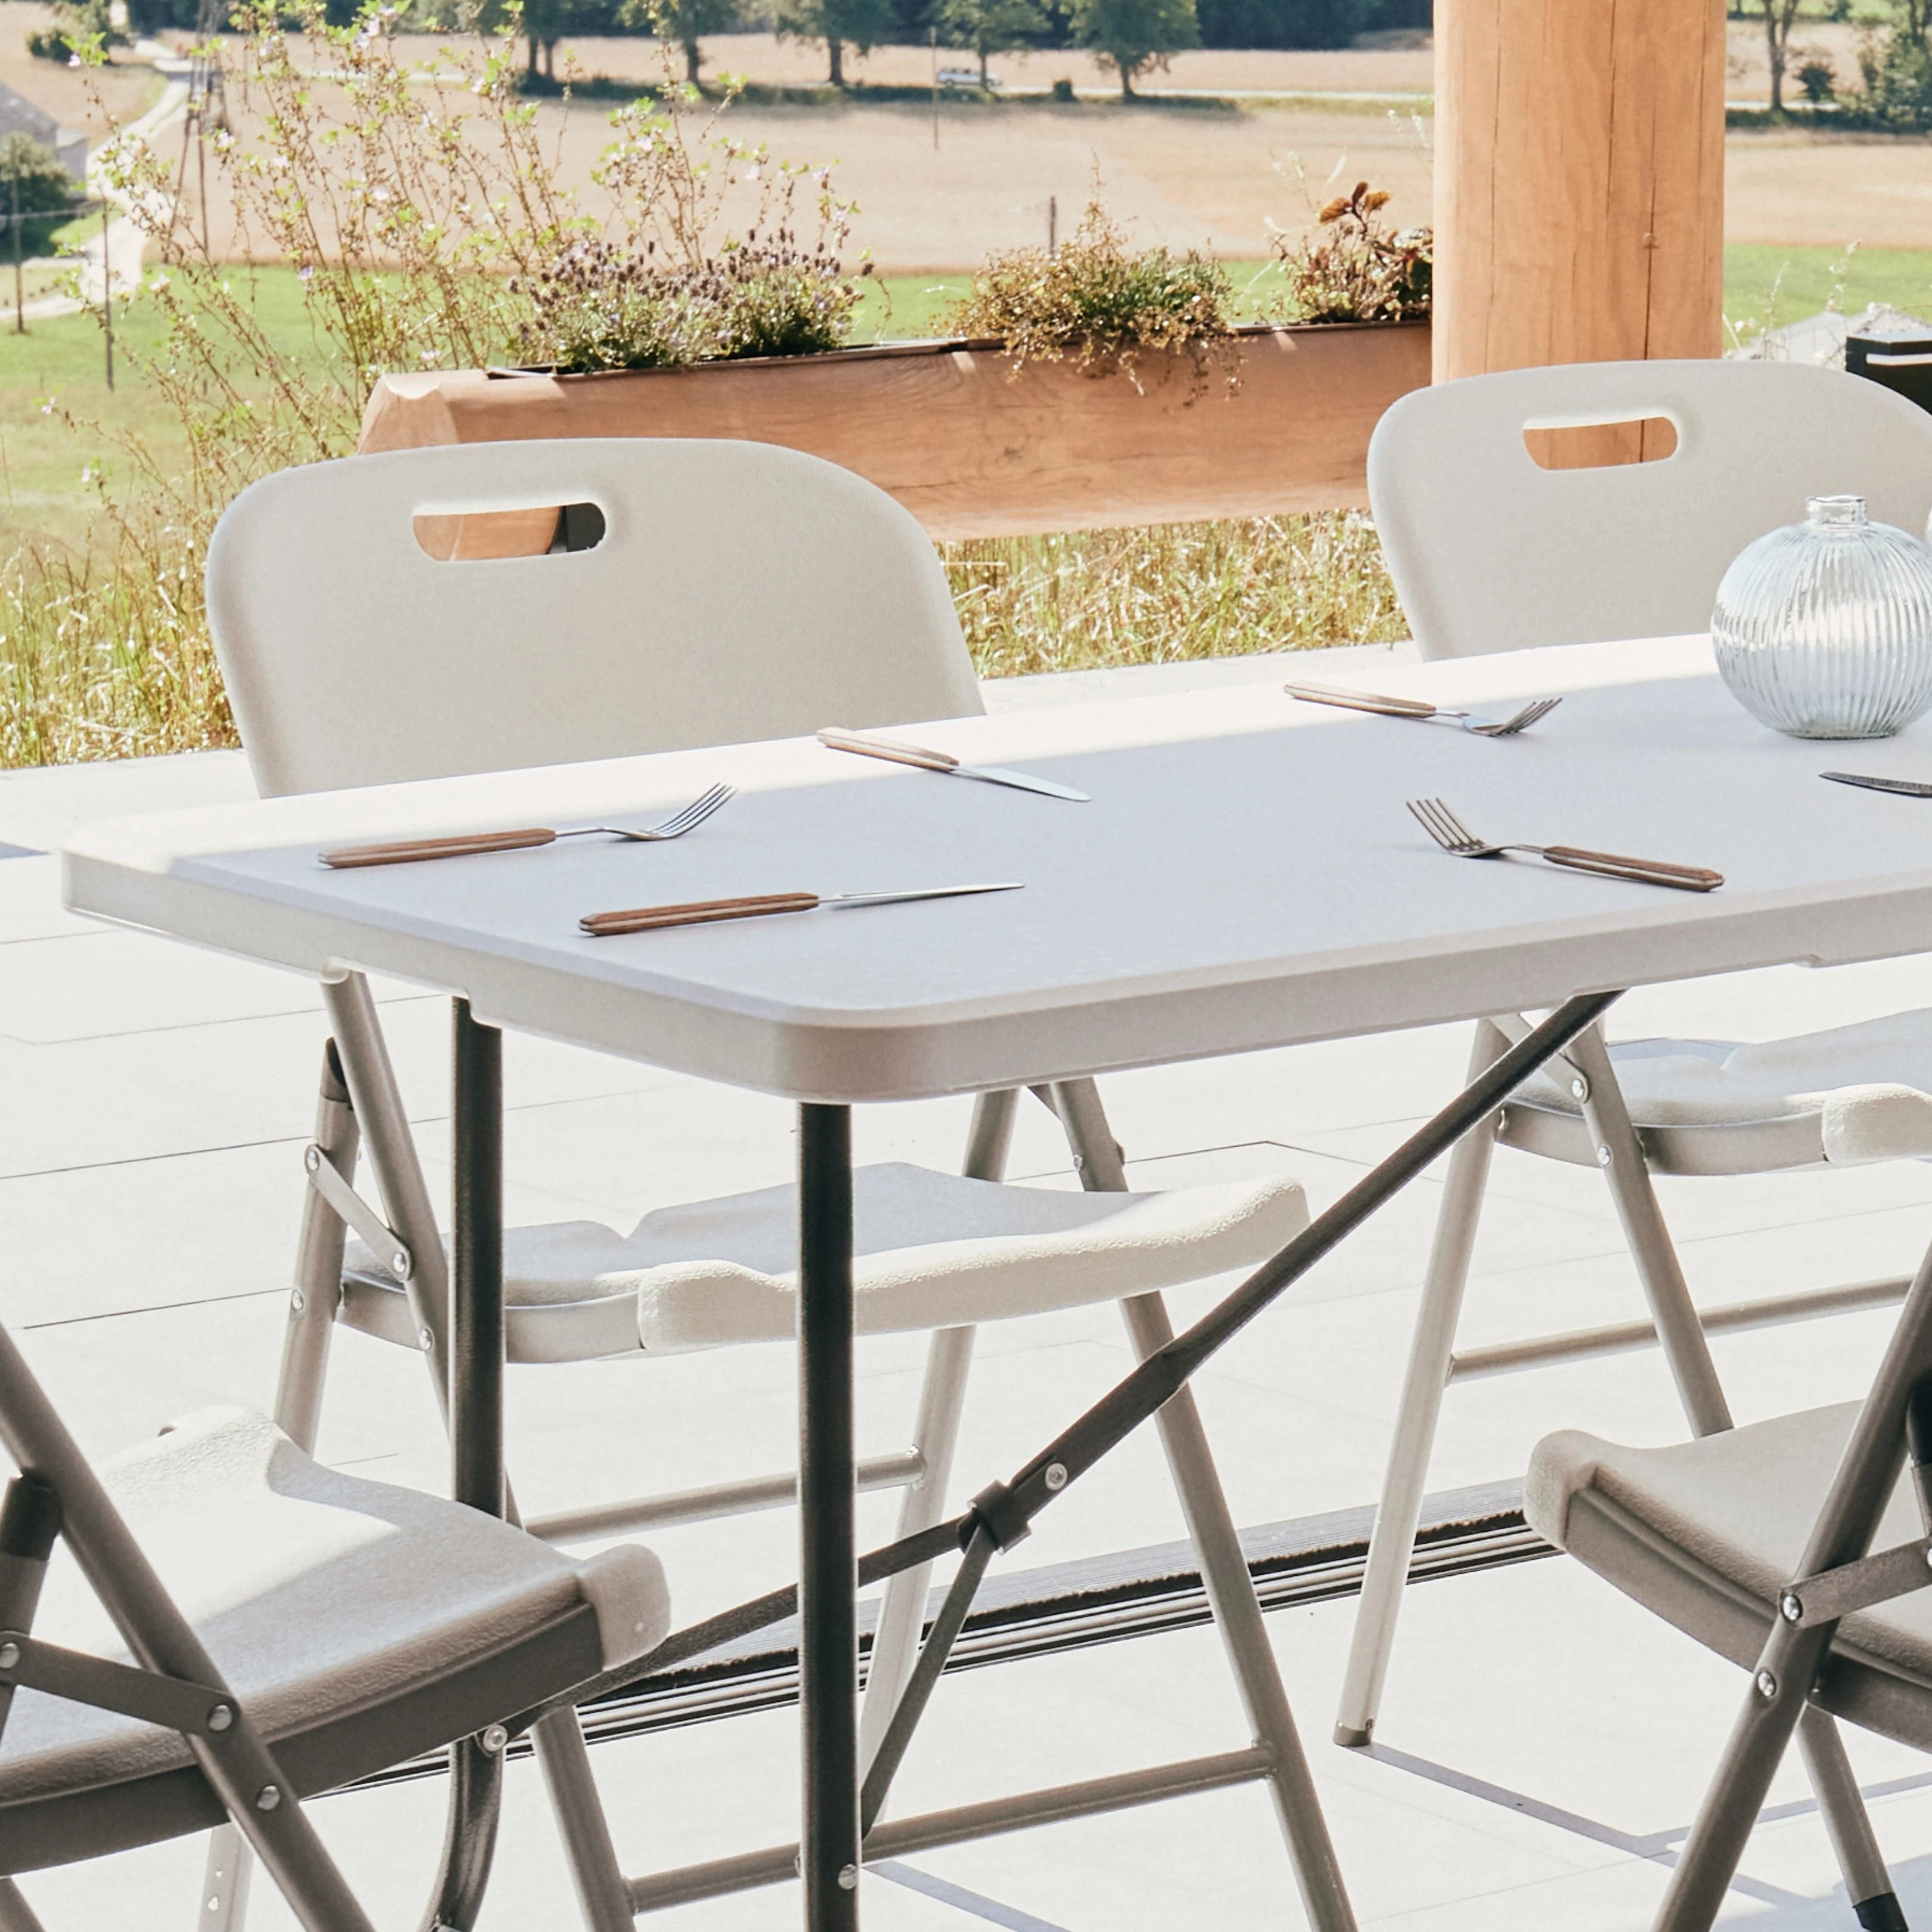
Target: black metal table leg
{"type": "Point", "coordinates": [476, 1312]}
{"type": "Point", "coordinates": [828, 1571]}
{"type": "Point", "coordinates": [475, 1419]}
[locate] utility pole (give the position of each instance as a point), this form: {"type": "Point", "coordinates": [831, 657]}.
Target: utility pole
{"type": "Point", "coordinates": [106, 289]}
{"type": "Point", "coordinates": [933, 32]}
{"type": "Point", "coordinates": [19, 303]}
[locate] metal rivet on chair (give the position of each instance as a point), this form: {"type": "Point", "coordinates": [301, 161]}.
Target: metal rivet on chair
{"type": "Point", "coordinates": [1602, 1157]}
{"type": "Point", "coordinates": [1767, 1685]}
{"type": "Point", "coordinates": [848, 1878]}
{"type": "Point", "coordinates": [312, 1159]}
{"type": "Point", "coordinates": [9, 1655]}
{"type": "Point", "coordinates": [494, 1737]}
{"type": "Point", "coordinates": [1579, 1088]}
{"type": "Point", "coordinates": [1791, 1608]}
{"type": "Point", "coordinates": [298, 1300]}
{"type": "Point", "coordinates": [427, 1340]}
{"type": "Point", "coordinates": [268, 1798]}
{"type": "Point", "coordinates": [221, 1716]}
{"type": "Point", "coordinates": [1056, 1475]}
{"type": "Point", "coordinates": [400, 1265]}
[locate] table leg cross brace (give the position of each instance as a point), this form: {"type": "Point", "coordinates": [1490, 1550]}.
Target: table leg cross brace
{"type": "Point", "coordinates": [1002, 1514]}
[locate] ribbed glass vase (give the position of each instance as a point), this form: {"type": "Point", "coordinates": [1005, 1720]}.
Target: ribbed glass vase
{"type": "Point", "coordinates": [1824, 629]}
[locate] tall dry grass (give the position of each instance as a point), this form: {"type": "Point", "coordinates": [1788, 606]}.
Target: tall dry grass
{"type": "Point", "coordinates": [1162, 594]}
{"type": "Point", "coordinates": [104, 651]}
{"type": "Point", "coordinates": [100, 660]}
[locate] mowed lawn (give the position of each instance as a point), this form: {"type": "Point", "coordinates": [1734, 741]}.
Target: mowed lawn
{"type": "Point", "coordinates": [59, 423]}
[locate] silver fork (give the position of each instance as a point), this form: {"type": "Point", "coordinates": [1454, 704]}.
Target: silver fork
{"type": "Point", "coordinates": [464, 845]}
{"type": "Point", "coordinates": [1426, 713]}
{"type": "Point", "coordinates": [693, 815]}
{"type": "Point", "coordinates": [1454, 837]}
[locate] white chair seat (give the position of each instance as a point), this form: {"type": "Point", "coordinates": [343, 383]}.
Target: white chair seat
{"type": "Point", "coordinates": [931, 1250]}
{"type": "Point", "coordinates": [317, 1594]}
{"type": "Point", "coordinates": [1707, 1533]}
{"type": "Point", "coordinates": [1854, 1094]}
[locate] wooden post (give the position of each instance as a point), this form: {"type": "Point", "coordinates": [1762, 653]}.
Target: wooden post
{"type": "Point", "coordinates": [1580, 183]}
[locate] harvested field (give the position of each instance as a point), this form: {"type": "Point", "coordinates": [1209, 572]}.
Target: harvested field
{"type": "Point", "coordinates": [64, 91]}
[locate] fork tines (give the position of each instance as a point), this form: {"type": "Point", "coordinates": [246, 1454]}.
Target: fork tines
{"type": "Point", "coordinates": [1522, 721]}
{"type": "Point", "coordinates": [697, 812]}
{"type": "Point", "coordinates": [1442, 825]}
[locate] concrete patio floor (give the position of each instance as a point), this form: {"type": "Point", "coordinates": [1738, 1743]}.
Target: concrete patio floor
{"type": "Point", "coordinates": [1544, 1743]}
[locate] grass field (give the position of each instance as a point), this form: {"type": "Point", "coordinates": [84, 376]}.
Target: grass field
{"type": "Point", "coordinates": [1764, 283]}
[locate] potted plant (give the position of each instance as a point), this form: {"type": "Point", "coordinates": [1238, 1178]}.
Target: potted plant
{"type": "Point", "coordinates": [1088, 387]}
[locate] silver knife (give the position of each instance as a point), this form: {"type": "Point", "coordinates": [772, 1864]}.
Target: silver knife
{"type": "Point", "coordinates": [705, 912]}
{"type": "Point", "coordinates": [896, 753]}
{"type": "Point", "coordinates": [1904, 787]}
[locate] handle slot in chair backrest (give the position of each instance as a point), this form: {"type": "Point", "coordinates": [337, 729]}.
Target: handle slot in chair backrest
{"type": "Point", "coordinates": [737, 591]}
{"type": "Point", "coordinates": [1599, 442]}
{"type": "Point", "coordinates": [1491, 550]}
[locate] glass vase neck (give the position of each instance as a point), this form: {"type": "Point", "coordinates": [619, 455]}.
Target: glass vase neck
{"type": "Point", "coordinates": [1835, 512]}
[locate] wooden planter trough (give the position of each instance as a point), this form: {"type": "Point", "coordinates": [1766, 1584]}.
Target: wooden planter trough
{"type": "Point", "coordinates": [970, 448]}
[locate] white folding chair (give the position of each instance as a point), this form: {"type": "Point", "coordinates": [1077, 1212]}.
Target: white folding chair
{"type": "Point", "coordinates": [1759, 1543]}
{"type": "Point", "coordinates": [1489, 551]}
{"type": "Point", "coordinates": [225, 1627]}
{"type": "Point", "coordinates": [737, 591]}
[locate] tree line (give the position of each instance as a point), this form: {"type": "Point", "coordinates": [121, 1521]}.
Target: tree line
{"type": "Point", "coordinates": [1132, 34]}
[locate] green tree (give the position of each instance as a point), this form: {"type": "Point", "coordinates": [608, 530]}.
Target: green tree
{"type": "Point", "coordinates": [1136, 34]}
{"type": "Point", "coordinates": [683, 22]}
{"type": "Point", "coordinates": [1778, 16]}
{"type": "Point", "coordinates": [989, 27]}
{"type": "Point", "coordinates": [547, 22]}
{"type": "Point", "coordinates": [859, 24]}
{"type": "Point", "coordinates": [47, 193]}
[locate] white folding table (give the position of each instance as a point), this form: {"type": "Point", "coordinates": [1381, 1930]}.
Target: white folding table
{"type": "Point", "coordinates": [1246, 877]}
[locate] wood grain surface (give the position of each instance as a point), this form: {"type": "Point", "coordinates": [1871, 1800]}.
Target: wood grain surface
{"type": "Point", "coordinates": [1579, 189]}
{"type": "Point", "coordinates": [970, 447]}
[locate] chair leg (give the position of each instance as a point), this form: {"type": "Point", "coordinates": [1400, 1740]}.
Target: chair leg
{"type": "Point", "coordinates": [16, 1914]}
{"type": "Point", "coordinates": [313, 1303]}
{"type": "Point", "coordinates": [317, 1292]}
{"type": "Point", "coordinates": [1392, 1544]}
{"type": "Point", "coordinates": [602, 1891]}
{"type": "Point", "coordinates": [1867, 1883]}
{"type": "Point", "coordinates": [935, 1437]}
{"type": "Point", "coordinates": [1620, 1154]}
{"type": "Point", "coordinates": [1238, 1615]}
{"type": "Point", "coordinates": [1224, 1569]}
{"type": "Point", "coordinates": [902, 1612]}
{"type": "Point", "coordinates": [224, 1884]}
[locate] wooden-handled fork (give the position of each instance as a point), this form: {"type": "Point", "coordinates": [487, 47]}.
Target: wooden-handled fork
{"type": "Point", "coordinates": [406, 851]}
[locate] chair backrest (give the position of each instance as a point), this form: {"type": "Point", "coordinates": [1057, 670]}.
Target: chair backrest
{"type": "Point", "coordinates": [740, 592]}
{"type": "Point", "coordinates": [1491, 552]}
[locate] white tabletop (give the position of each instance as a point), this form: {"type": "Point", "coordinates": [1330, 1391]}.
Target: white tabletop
{"type": "Point", "coordinates": [1246, 876]}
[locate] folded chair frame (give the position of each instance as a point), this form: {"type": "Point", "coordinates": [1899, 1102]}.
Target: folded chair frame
{"type": "Point", "coordinates": [1792, 1675]}
{"type": "Point", "coordinates": [256, 1782]}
